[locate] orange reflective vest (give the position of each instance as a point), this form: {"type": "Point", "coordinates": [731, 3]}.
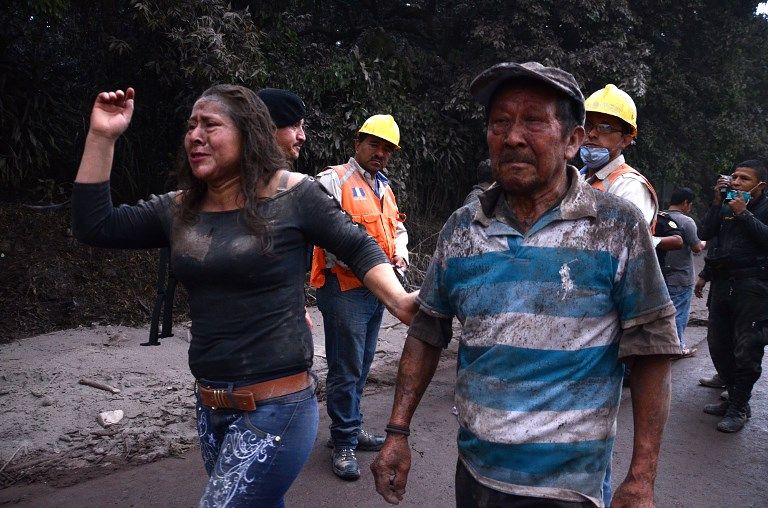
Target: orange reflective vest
{"type": "Point", "coordinates": [378, 216]}
{"type": "Point", "coordinates": [624, 169]}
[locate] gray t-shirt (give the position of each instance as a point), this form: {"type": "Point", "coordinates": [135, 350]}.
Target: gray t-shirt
{"type": "Point", "coordinates": [678, 265]}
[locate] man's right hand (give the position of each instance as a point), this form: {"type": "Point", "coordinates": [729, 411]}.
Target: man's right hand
{"type": "Point", "coordinates": [698, 289]}
{"type": "Point", "coordinates": [390, 468]}
{"type": "Point", "coordinates": [721, 183]}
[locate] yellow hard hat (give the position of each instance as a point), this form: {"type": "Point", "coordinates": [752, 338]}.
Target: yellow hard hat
{"type": "Point", "coordinates": [615, 102]}
{"type": "Point", "coordinates": [384, 127]}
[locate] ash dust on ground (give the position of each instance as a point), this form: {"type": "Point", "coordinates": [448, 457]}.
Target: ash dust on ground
{"type": "Point", "coordinates": [70, 313]}
{"type": "Point", "coordinates": [49, 282]}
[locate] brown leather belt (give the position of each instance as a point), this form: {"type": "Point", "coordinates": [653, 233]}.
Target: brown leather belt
{"type": "Point", "coordinates": [246, 397]}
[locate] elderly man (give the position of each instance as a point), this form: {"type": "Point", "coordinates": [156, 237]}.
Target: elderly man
{"type": "Point", "coordinates": [555, 285]}
{"type": "Point", "coordinates": [352, 314]}
{"type": "Point", "coordinates": [736, 225]}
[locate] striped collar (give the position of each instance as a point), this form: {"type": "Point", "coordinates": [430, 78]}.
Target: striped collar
{"type": "Point", "coordinates": [578, 201]}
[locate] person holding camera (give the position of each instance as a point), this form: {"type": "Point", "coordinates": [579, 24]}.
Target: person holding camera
{"type": "Point", "coordinates": [736, 227]}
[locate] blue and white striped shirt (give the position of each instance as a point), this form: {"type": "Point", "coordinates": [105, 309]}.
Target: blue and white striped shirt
{"type": "Point", "coordinates": [539, 376]}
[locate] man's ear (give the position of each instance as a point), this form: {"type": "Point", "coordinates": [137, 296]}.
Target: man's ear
{"type": "Point", "coordinates": [627, 140]}
{"type": "Point", "coordinates": [575, 140]}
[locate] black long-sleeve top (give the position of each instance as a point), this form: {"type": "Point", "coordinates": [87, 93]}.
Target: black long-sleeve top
{"type": "Point", "coordinates": [246, 305]}
{"type": "Point", "coordinates": [736, 241]}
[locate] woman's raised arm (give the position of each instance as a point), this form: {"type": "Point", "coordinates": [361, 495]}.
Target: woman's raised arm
{"type": "Point", "coordinates": [110, 117]}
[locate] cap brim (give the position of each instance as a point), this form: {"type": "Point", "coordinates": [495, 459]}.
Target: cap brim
{"type": "Point", "coordinates": [484, 86]}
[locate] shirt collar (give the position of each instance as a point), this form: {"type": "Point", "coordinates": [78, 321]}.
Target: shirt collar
{"type": "Point", "coordinates": [380, 176]}
{"type": "Point", "coordinates": [610, 167]}
{"type": "Point", "coordinates": [578, 201]}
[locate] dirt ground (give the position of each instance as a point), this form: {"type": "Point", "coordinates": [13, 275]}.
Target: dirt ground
{"type": "Point", "coordinates": [49, 425]}
{"type": "Point", "coordinates": [51, 284]}
{"type": "Point", "coordinates": [70, 313]}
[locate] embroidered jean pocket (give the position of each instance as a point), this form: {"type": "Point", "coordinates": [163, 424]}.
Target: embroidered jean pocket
{"type": "Point", "coordinates": [272, 419]}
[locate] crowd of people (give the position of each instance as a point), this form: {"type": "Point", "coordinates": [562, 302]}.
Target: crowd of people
{"type": "Point", "coordinates": [562, 279]}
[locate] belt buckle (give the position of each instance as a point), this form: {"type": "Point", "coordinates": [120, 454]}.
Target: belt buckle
{"type": "Point", "coordinates": [220, 397]}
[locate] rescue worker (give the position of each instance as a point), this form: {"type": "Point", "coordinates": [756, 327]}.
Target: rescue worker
{"type": "Point", "coordinates": [736, 226]}
{"type": "Point", "coordinates": [352, 314]}
{"type": "Point", "coordinates": [611, 126]}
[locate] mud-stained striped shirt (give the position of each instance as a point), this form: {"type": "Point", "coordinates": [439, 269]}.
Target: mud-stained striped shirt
{"type": "Point", "coordinates": [542, 313]}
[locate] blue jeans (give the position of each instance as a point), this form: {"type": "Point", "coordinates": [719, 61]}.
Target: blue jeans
{"type": "Point", "coordinates": [351, 320]}
{"type": "Point", "coordinates": [253, 457]}
{"type": "Point", "coordinates": [681, 298]}
{"type": "Point", "coordinates": [607, 488]}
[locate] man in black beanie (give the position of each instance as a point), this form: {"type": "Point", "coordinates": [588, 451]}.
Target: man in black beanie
{"type": "Point", "coordinates": [287, 111]}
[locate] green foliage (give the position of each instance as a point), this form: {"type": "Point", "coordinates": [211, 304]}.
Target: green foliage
{"type": "Point", "coordinates": [705, 103]}
{"type": "Point", "coordinates": [695, 68]}
{"type": "Point", "coordinates": [205, 42]}
{"type": "Point", "coordinates": [34, 116]}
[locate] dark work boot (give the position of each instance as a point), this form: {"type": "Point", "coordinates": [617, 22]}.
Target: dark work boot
{"type": "Point", "coordinates": [720, 408]}
{"type": "Point", "coordinates": [735, 418]}
{"type": "Point", "coordinates": [368, 442]}
{"type": "Point", "coordinates": [712, 382]}
{"type": "Point", "coordinates": [345, 464]}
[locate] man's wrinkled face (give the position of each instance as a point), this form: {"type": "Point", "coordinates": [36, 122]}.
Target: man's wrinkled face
{"type": "Point", "coordinates": [527, 146]}
{"type": "Point", "coordinates": [606, 131]}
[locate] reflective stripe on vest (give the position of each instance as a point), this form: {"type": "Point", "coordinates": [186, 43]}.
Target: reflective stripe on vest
{"type": "Point", "coordinates": [622, 170]}
{"type": "Point", "coordinates": [378, 216]}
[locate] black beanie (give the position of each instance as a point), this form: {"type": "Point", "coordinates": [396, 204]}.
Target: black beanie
{"type": "Point", "coordinates": [285, 108]}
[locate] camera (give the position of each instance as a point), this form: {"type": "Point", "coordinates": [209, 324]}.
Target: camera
{"type": "Point", "coordinates": [727, 193]}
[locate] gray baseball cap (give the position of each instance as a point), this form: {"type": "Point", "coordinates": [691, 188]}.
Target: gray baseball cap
{"type": "Point", "coordinates": [487, 82]}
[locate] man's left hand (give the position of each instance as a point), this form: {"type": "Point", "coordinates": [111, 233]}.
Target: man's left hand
{"type": "Point", "coordinates": [390, 469]}
{"type": "Point", "coordinates": [738, 205]}
{"type": "Point", "coordinates": [399, 262]}
{"type": "Point", "coordinates": [634, 493]}
{"type": "Point", "coordinates": [406, 308]}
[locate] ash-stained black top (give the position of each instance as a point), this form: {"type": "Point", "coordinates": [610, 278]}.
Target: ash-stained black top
{"type": "Point", "coordinates": [246, 305]}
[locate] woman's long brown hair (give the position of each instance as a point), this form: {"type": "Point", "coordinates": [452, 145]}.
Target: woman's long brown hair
{"type": "Point", "coordinates": [260, 159]}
